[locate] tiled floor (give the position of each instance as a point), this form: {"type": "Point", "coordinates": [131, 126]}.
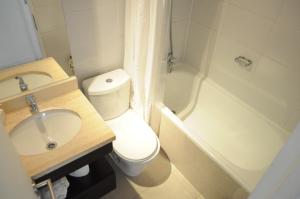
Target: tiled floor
{"type": "Point", "coordinates": [160, 180]}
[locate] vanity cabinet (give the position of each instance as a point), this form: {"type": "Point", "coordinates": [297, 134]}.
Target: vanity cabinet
{"type": "Point", "coordinates": [100, 180]}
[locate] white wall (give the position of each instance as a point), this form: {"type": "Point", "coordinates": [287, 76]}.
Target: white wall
{"type": "Point", "coordinates": [195, 24]}
{"type": "Point", "coordinates": [96, 34]}
{"type": "Point", "coordinates": [205, 19]}
{"type": "Point", "coordinates": [18, 42]}
{"type": "Point", "coordinates": [52, 30]}
{"type": "Point", "coordinates": [283, 177]}
{"type": "Point", "coordinates": [14, 183]}
{"type": "Point", "coordinates": [180, 26]}
{"type": "Point", "coordinates": [267, 32]}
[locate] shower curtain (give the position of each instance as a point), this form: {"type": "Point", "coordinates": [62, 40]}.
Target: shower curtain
{"type": "Point", "coordinates": [143, 30]}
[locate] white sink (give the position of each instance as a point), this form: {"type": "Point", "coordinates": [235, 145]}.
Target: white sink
{"type": "Point", "coordinates": [45, 131]}
{"type": "Point", "coordinates": [10, 86]}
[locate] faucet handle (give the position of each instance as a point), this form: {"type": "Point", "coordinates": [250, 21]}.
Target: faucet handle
{"type": "Point", "coordinates": [30, 99]}
{"type": "Point", "coordinates": [23, 86]}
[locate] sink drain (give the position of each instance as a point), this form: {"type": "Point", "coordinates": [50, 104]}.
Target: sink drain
{"type": "Point", "coordinates": [51, 145]}
{"type": "Point", "coordinates": [109, 80]}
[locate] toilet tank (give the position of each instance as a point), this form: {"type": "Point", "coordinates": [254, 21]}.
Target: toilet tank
{"type": "Point", "coordinates": [109, 93]}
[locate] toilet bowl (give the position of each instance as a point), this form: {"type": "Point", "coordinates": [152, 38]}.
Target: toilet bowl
{"type": "Point", "coordinates": [136, 144]}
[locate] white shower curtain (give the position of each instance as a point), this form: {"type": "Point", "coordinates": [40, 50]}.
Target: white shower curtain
{"type": "Point", "coordinates": [143, 20]}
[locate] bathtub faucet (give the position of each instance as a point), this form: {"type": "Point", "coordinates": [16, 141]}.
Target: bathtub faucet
{"type": "Point", "coordinates": [170, 62]}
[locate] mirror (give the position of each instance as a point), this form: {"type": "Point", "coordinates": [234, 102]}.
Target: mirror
{"type": "Point", "coordinates": [25, 77]}
{"type": "Point", "coordinates": [38, 32]}
{"type": "Point", "coordinates": [50, 25]}
{"type": "Point", "coordinates": [23, 82]}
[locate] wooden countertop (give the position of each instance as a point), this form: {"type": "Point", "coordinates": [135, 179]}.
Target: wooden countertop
{"type": "Point", "coordinates": [48, 66]}
{"type": "Point", "coordinates": [94, 132]}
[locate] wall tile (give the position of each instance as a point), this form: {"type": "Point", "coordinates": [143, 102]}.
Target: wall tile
{"type": "Point", "coordinates": [268, 32]}
{"type": "Point", "coordinates": [198, 42]}
{"type": "Point", "coordinates": [80, 29]}
{"type": "Point", "coordinates": [207, 12]}
{"type": "Point", "coordinates": [293, 119]}
{"type": "Point", "coordinates": [77, 5]}
{"type": "Point", "coordinates": [264, 8]}
{"type": "Point", "coordinates": [49, 17]}
{"type": "Point", "coordinates": [226, 50]}
{"type": "Point", "coordinates": [290, 15]}
{"type": "Point", "coordinates": [267, 74]}
{"type": "Point", "coordinates": [277, 80]}
{"type": "Point", "coordinates": [255, 97]}
{"type": "Point", "coordinates": [245, 27]}
{"type": "Point", "coordinates": [44, 2]}
{"type": "Point", "coordinates": [52, 31]}
{"type": "Point", "coordinates": [121, 15]}
{"type": "Point", "coordinates": [284, 46]}
{"type": "Point", "coordinates": [181, 9]}
{"type": "Point", "coordinates": [179, 38]}
{"type": "Point", "coordinates": [96, 36]}
{"type": "Point", "coordinates": [55, 41]}
{"type": "Point", "coordinates": [63, 60]}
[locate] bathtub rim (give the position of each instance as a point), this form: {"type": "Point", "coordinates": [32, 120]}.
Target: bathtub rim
{"type": "Point", "coordinates": [197, 82]}
{"type": "Point", "coordinates": [212, 154]}
{"type": "Point", "coordinates": [198, 79]}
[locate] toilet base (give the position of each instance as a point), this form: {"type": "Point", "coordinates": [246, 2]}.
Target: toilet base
{"type": "Point", "coordinates": [130, 170]}
{"type": "Point", "coordinates": [133, 168]}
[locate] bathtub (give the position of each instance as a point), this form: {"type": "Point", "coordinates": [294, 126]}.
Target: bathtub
{"type": "Point", "coordinates": [218, 142]}
{"type": "Point", "coordinates": [180, 99]}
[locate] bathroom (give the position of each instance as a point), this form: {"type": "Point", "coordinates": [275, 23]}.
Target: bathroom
{"type": "Point", "coordinates": [187, 99]}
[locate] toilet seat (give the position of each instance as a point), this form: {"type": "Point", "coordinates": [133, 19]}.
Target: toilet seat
{"type": "Point", "coordinates": [135, 140]}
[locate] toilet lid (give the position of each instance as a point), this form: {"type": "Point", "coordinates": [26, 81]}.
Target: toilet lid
{"type": "Point", "coordinates": [105, 83]}
{"type": "Point", "coordinates": [135, 140]}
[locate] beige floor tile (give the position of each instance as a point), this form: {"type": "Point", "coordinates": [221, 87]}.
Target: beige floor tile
{"type": "Point", "coordinates": [159, 180]}
{"type": "Point", "coordinates": [156, 173]}
{"type": "Point", "coordinates": [185, 184]}
{"type": "Point", "coordinates": [125, 189]}
{"type": "Point", "coordinates": [175, 187]}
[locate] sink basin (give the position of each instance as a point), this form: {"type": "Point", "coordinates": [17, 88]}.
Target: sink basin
{"type": "Point", "coordinates": [45, 131]}
{"type": "Point", "coordinates": [10, 86]}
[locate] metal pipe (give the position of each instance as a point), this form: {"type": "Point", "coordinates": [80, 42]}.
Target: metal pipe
{"type": "Point", "coordinates": [170, 58]}
{"type": "Point", "coordinates": [170, 28]}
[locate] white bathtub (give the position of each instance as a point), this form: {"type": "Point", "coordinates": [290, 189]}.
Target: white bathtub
{"type": "Point", "coordinates": [181, 88]}
{"type": "Point", "coordinates": [236, 137]}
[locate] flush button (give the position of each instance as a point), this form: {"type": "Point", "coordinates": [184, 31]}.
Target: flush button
{"type": "Point", "coordinates": [109, 80]}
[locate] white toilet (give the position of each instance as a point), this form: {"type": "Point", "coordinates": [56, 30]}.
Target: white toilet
{"type": "Point", "coordinates": [136, 144]}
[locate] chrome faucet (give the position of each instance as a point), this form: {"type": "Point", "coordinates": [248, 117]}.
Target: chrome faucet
{"type": "Point", "coordinates": [23, 86]}
{"type": "Point", "coordinates": [30, 99]}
